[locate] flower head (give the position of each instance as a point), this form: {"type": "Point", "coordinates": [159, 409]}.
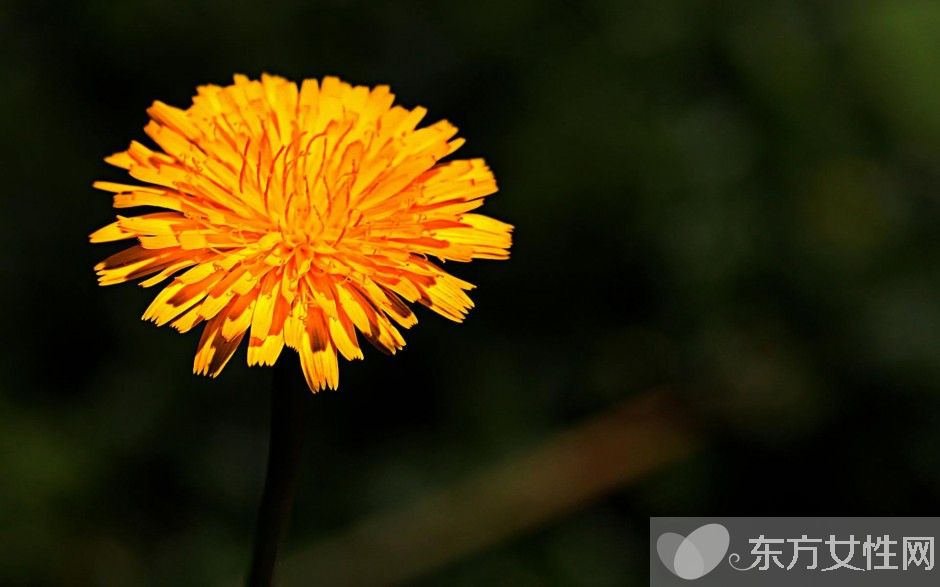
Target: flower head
{"type": "Point", "coordinates": [298, 217]}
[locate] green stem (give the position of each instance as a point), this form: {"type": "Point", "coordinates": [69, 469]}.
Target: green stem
{"type": "Point", "coordinates": [289, 398]}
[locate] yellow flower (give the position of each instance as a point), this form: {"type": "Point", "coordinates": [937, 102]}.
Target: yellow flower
{"type": "Point", "coordinates": [298, 217]}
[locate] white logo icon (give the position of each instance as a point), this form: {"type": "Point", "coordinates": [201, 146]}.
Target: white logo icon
{"type": "Point", "coordinates": [694, 556]}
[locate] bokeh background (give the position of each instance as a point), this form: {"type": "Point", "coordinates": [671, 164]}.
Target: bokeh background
{"type": "Point", "coordinates": [730, 203]}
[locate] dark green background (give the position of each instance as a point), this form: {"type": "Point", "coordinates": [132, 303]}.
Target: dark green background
{"type": "Point", "coordinates": [736, 201]}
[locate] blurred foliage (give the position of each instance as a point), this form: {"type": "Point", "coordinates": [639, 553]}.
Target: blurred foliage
{"type": "Point", "coordinates": [734, 199]}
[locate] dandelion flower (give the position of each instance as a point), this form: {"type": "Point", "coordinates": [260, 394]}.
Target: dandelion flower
{"type": "Point", "coordinates": [298, 217]}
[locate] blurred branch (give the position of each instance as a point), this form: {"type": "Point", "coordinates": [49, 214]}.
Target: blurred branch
{"type": "Point", "coordinates": [610, 451]}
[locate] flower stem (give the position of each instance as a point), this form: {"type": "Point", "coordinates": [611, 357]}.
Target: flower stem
{"type": "Point", "coordinates": [289, 397]}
